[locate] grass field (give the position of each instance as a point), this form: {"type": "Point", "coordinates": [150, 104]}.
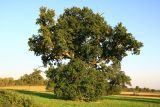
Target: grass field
{"type": "Point", "coordinates": [47, 99]}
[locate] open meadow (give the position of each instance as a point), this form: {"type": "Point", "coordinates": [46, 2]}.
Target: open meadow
{"type": "Point", "coordinates": [35, 96]}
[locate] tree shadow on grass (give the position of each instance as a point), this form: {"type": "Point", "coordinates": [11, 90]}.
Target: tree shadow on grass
{"type": "Point", "coordinates": [144, 100]}
{"type": "Point", "coordinates": [39, 94]}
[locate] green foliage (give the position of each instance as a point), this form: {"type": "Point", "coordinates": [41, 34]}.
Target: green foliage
{"type": "Point", "coordinates": [77, 81]}
{"type": "Point", "coordinates": [120, 42]}
{"type": "Point", "coordinates": [49, 85]}
{"type": "Point", "coordinates": [7, 81]}
{"type": "Point", "coordinates": [82, 35]}
{"type": "Point", "coordinates": [34, 78]}
{"type": "Point", "coordinates": [12, 99]}
{"type": "Point", "coordinates": [117, 79]}
{"type": "Point", "coordinates": [42, 43]}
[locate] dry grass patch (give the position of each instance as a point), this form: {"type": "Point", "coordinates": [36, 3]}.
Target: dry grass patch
{"type": "Point", "coordinates": [28, 88]}
{"type": "Point", "coordinates": [142, 94]}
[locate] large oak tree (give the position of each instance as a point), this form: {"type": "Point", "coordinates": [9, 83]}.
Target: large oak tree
{"type": "Point", "coordinates": [86, 39]}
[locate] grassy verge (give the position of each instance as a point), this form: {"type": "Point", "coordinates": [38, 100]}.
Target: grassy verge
{"type": "Point", "coordinates": [26, 98]}
{"type": "Point", "coordinates": [47, 99]}
{"type": "Point", "coordinates": [12, 99]}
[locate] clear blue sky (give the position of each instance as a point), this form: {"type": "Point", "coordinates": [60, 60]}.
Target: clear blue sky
{"type": "Point", "coordinates": [141, 17]}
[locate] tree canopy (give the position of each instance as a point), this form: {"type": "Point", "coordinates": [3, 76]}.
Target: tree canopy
{"type": "Point", "coordinates": [81, 34]}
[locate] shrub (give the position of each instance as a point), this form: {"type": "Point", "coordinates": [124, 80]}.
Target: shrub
{"type": "Point", "coordinates": [77, 81]}
{"type": "Point", "coordinates": [12, 99]}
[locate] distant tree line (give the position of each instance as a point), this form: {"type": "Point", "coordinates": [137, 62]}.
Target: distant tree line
{"type": "Point", "coordinates": [34, 78]}
{"type": "Point", "coordinates": [7, 81]}
{"type": "Point", "coordinates": [139, 89]}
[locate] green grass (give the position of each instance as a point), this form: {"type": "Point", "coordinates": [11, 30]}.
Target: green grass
{"type": "Point", "coordinates": [47, 99]}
